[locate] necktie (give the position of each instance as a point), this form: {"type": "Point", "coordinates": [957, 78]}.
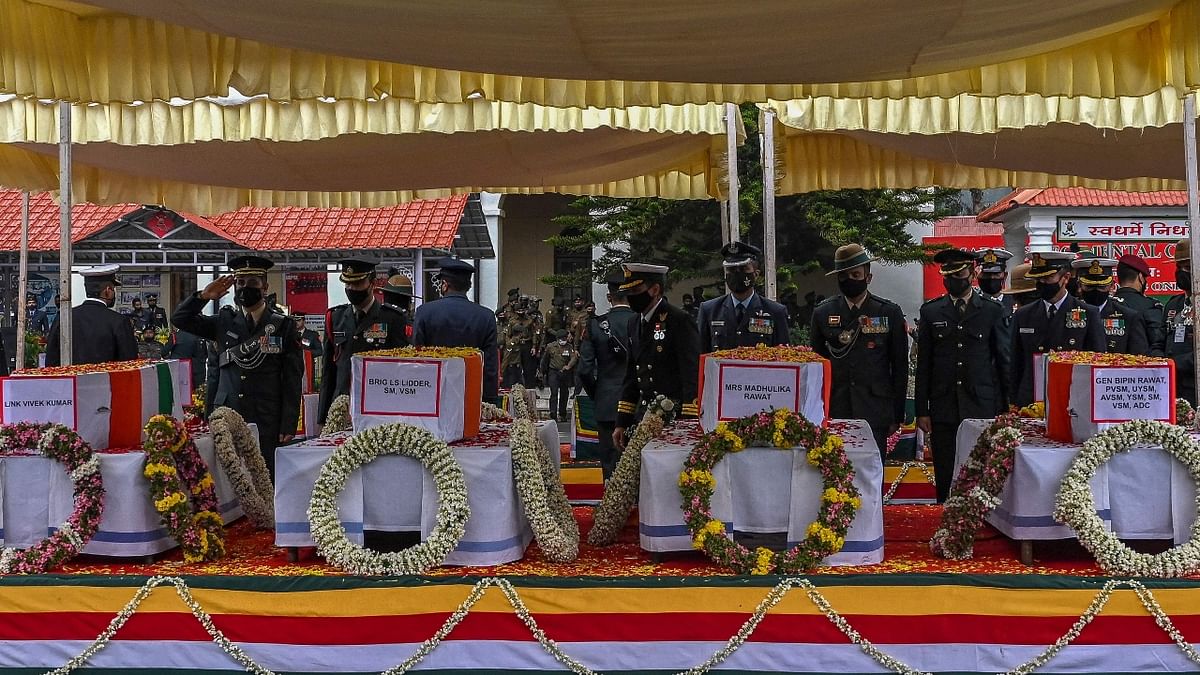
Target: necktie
{"type": "Point", "coordinates": [1049, 311]}
{"type": "Point", "coordinates": [250, 324]}
{"type": "Point", "coordinates": [961, 306]}
{"type": "Point", "coordinates": [741, 314]}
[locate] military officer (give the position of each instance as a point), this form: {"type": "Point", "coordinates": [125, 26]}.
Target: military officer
{"type": "Point", "coordinates": [1056, 321]}
{"type": "Point", "coordinates": [155, 316]}
{"type": "Point", "coordinates": [559, 360]}
{"type": "Point", "coordinates": [865, 338]}
{"type": "Point", "coordinates": [604, 357]}
{"type": "Point", "coordinates": [261, 367]}
{"type": "Point", "coordinates": [361, 325]}
{"type": "Point", "coordinates": [506, 310]}
{"type": "Point", "coordinates": [1021, 290]}
{"type": "Point", "coordinates": [992, 271]}
{"type": "Point", "coordinates": [454, 321]}
{"type": "Point", "coordinates": [398, 294]}
{"type": "Point", "coordinates": [742, 317]}
{"type": "Point", "coordinates": [664, 353]}
{"type": "Point", "coordinates": [1178, 325]}
{"type": "Point", "coordinates": [1124, 327]}
{"type": "Point", "coordinates": [1133, 275]}
{"type": "Point", "coordinates": [576, 319]}
{"type": "Point", "coordinates": [98, 334]}
{"type": "Point", "coordinates": [963, 349]}
{"type": "Point", "coordinates": [518, 339]}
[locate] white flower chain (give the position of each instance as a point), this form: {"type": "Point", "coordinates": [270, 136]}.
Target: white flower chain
{"type": "Point", "coordinates": [238, 453]}
{"type": "Point", "coordinates": [773, 597]}
{"type": "Point", "coordinates": [91, 466]}
{"type": "Point", "coordinates": [337, 419]}
{"type": "Point", "coordinates": [540, 487]}
{"type": "Point", "coordinates": [904, 469]}
{"type": "Point", "coordinates": [621, 491]}
{"type": "Point", "coordinates": [1076, 507]}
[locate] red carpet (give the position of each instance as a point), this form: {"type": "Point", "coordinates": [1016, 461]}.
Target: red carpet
{"type": "Point", "coordinates": [907, 531]}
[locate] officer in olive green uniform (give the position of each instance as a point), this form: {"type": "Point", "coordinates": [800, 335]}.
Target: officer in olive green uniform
{"type": "Point", "coordinates": [1124, 327]}
{"type": "Point", "coordinates": [1133, 275]}
{"type": "Point", "coordinates": [664, 350]}
{"type": "Point", "coordinates": [962, 361]}
{"type": "Point", "coordinates": [398, 295]}
{"type": "Point", "coordinates": [865, 339]}
{"type": "Point", "coordinates": [1021, 290]}
{"type": "Point", "coordinates": [361, 325]}
{"type": "Point", "coordinates": [518, 340]}
{"type": "Point", "coordinates": [559, 359]}
{"type": "Point", "coordinates": [576, 320]}
{"type": "Point", "coordinates": [1179, 317]}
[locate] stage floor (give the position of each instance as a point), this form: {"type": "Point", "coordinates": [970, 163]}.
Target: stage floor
{"type": "Point", "coordinates": [907, 531]}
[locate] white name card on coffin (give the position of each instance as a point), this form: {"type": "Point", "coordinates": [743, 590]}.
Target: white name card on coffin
{"type": "Point", "coordinates": [424, 392]}
{"type": "Point", "coordinates": [1100, 396]}
{"type": "Point", "coordinates": [109, 407]}
{"type": "Point", "coordinates": [735, 388]}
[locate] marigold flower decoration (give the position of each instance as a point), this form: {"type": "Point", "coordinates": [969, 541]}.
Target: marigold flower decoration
{"type": "Point", "coordinates": [182, 490]}
{"type": "Point", "coordinates": [761, 352]}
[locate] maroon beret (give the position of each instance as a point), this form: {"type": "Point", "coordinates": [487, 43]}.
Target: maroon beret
{"type": "Point", "coordinates": [1134, 262]}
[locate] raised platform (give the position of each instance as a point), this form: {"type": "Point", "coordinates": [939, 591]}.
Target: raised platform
{"type": "Point", "coordinates": [614, 610]}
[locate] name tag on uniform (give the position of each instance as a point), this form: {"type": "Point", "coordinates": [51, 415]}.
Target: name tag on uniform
{"type": "Point", "coordinates": [1180, 332]}
{"type": "Point", "coordinates": [339, 334]}
{"type": "Point", "coordinates": [1027, 330]}
{"type": "Point", "coordinates": [761, 326]}
{"type": "Point", "coordinates": [566, 352]}
{"type": "Point", "coordinates": [835, 320]}
{"type": "Point", "coordinates": [231, 334]}
{"type": "Point", "coordinates": [940, 324]}
{"type": "Point", "coordinates": [874, 324]}
{"type": "Point", "coordinates": [717, 324]}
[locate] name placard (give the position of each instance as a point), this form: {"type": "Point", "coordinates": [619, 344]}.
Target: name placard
{"type": "Point", "coordinates": [39, 399]}
{"type": "Point", "coordinates": [409, 387]}
{"type": "Point", "coordinates": [1120, 394]}
{"type": "Point", "coordinates": [747, 389]}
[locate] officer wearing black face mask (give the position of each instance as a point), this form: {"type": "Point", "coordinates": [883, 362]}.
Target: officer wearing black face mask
{"type": "Point", "coordinates": [1178, 324]}
{"type": "Point", "coordinates": [361, 325]}
{"type": "Point", "coordinates": [1132, 275]}
{"type": "Point", "coordinates": [963, 351]}
{"type": "Point", "coordinates": [1056, 322]}
{"type": "Point", "coordinates": [865, 339]}
{"type": "Point", "coordinates": [993, 263]}
{"type": "Point", "coordinates": [261, 367]}
{"type": "Point", "coordinates": [1124, 327]}
{"type": "Point", "coordinates": [742, 317]}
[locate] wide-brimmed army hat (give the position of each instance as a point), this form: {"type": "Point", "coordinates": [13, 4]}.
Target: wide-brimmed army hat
{"type": "Point", "coordinates": [848, 257]}
{"type": "Point", "coordinates": [1183, 250]}
{"type": "Point", "coordinates": [1019, 282]}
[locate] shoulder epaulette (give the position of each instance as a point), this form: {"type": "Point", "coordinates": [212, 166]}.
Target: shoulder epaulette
{"type": "Point", "coordinates": [391, 307]}
{"type": "Point", "coordinates": [826, 301]}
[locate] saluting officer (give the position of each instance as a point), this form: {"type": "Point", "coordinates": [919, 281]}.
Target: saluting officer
{"type": "Point", "coordinates": [361, 325]}
{"type": "Point", "coordinates": [98, 334]}
{"type": "Point", "coordinates": [992, 271]}
{"type": "Point", "coordinates": [864, 337]}
{"type": "Point", "coordinates": [1180, 333]}
{"type": "Point", "coordinates": [741, 317]}
{"type": "Point", "coordinates": [665, 350]}
{"type": "Point", "coordinates": [604, 356]}
{"type": "Point", "coordinates": [261, 367]}
{"type": "Point", "coordinates": [962, 361]}
{"type": "Point", "coordinates": [1124, 327]}
{"type": "Point", "coordinates": [454, 321]}
{"type": "Point", "coordinates": [1057, 321]}
{"type": "Point", "coordinates": [1133, 275]}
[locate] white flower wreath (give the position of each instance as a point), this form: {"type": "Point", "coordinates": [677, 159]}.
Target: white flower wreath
{"type": "Point", "coordinates": [389, 439]}
{"type": "Point", "coordinates": [337, 419]}
{"type": "Point", "coordinates": [1076, 507]}
{"type": "Point", "coordinates": [237, 451]}
{"type": "Point", "coordinates": [542, 494]}
{"type": "Point", "coordinates": [623, 488]}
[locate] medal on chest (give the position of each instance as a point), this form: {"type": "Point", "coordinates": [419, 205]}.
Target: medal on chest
{"type": "Point", "coordinates": [1114, 326]}
{"type": "Point", "coordinates": [1076, 318]}
{"type": "Point", "coordinates": [761, 325]}
{"type": "Point", "coordinates": [845, 336]}
{"type": "Point", "coordinates": [377, 332]}
{"type": "Point", "coordinates": [270, 343]}
{"type": "Point", "coordinates": [874, 324]}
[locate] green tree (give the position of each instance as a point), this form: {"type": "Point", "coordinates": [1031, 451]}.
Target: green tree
{"type": "Point", "coordinates": [686, 234]}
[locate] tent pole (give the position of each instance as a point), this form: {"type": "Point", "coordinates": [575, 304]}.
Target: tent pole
{"type": "Point", "coordinates": [768, 167]}
{"type": "Point", "coordinates": [1189, 153]}
{"type": "Point", "coordinates": [731, 116]}
{"type": "Point", "coordinates": [23, 281]}
{"type": "Point", "coordinates": [724, 221]}
{"type": "Point", "coordinates": [64, 242]}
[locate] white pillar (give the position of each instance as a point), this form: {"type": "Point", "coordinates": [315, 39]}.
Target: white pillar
{"type": "Point", "coordinates": [768, 167]}
{"type": "Point", "coordinates": [488, 274]}
{"type": "Point", "coordinates": [1189, 154]}
{"type": "Point", "coordinates": [64, 241]}
{"type": "Point", "coordinates": [731, 127]}
{"type": "Point", "coordinates": [1041, 234]}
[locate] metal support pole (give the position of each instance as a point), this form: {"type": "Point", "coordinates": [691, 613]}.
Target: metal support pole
{"type": "Point", "coordinates": [724, 221]}
{"type": "Point", "coordinates": [731, 127]}
{"type": "Point", "coordinates": [23, 281]}
{"type": "Point", "coordinates": [1189, 153]}
{"type": "Point", "coordinates": [64, 241]}
{"type": "Point", "coordinates": [768, 167]}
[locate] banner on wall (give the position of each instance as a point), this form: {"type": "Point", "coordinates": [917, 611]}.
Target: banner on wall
{"type": "Point", "coordinates": [1153, 239]}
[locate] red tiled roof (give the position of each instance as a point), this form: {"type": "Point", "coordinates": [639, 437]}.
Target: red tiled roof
{"type": "Point", "coordinates": [1082, 197]}
{"type": "Point", "coordinates": [965, 226]}
{"type": "Point", "coordinates": [428, 223]}
{"type": "Point", "coordinates": [86, 220]}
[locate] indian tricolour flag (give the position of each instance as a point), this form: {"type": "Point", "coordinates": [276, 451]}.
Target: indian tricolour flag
{"type": "Point", "coordinates": [112, 407]}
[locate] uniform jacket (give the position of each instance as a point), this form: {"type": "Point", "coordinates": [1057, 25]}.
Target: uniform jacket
{"type": "Point", "coordinates": [604, 358]}
{"type": "Point", "coordinates": [962, 360]}
{"type": "Point", "coordinates": [559, 357]}
{"type": "Point", "coordinates": [1152, 315]}
{"type": "Point", "coordinates": [455, 321]}
{"type": "Point", "coordinates": [155, 316]}
{"type": "Point", "coordinates": [765, 322]}
{"type": "Point", "coordinates": [1124, 328]}
{"type": "Point", "coordinates": [1076, 326]}
{"type": "Point", "coordinates": [382, 327]}
{"type": "Point", "coordinates": [184, 345]}
{"type": "Point", "coordinates": [269, 393]}
{"type": "Point", "coordinates": [665, 359]}
{"type": "Point", "coordinates": [868, 351]}
{"type": "Point", "coordinates": [98, 335]}
{"type": "Point", "coordinates": [1180, 334]}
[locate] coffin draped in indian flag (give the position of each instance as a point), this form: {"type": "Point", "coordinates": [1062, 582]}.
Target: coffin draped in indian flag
{"type": "Point", "coordinates": [439, 389]}
{"type": "Point", "coordinates": [107, 403]}
{"type": "Point", "coordinates": [739, 382]}
{"type": "Point", "coordinates": [1088, 392]}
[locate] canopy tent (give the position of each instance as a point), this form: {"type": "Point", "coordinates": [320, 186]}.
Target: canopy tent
{"type": "Point", "coordinates": [969, 141]}
{"type": "Point", "coordinates": [603, 53]}
{"type": "Point", "coordinates": [208, 158]}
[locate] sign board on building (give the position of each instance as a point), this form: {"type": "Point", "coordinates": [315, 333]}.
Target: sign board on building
{"type": "Point", "coordinates": [1100, 229]}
